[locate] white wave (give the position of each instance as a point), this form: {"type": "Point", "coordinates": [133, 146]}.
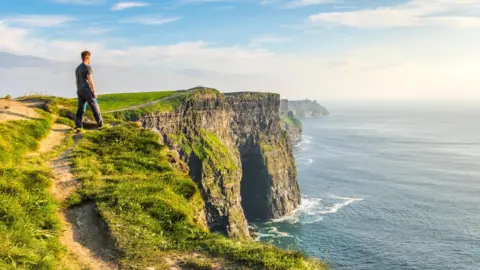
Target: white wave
{"type": "Point", "coordinates": [262, 235]}
{"type": "Point", "coordinates": [311, 219]}
{"type": "Point", "coordinates": [305, 140]}
{"type": "Point", "coordinates": [345, 198]}
{"type": "Point", "coordinates": [272, 232]}
{"type": "Point", "coordinates": [337, 206]}
{"type": "Point", "coordinates": [312, 210]}
{"type": "Point", "coordinates": [310, 205]}
{"type": "Point", "coordinates": [310, 161]}
{"type": "Point", "coordinates": [293, 218]}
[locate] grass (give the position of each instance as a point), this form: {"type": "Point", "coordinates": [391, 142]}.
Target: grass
{"type": "Point", "coordinates": [67, 107]}
{"type": "Point", "coordinates": [110, 102]}
{"type": "Point", "coordinates": [29, 228]}
{"type": "Point", "coordinates": [19, 137]}
{"type": "Point", "coordinates": [292, 121]}
{"type": "Point", "coordinates": [152, 209]}
{"type": "Point", "coordinates": [208, 148]}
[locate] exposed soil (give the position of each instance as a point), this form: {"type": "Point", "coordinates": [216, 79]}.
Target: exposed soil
{"type": "Point", "coordinates": [13, 110]}
{"type": "Point", "coordinates": [84, 234]}
{"type": "Point", "coordinates": [65, 183]}
{"type": "Point", "coordinates": [54, 138]}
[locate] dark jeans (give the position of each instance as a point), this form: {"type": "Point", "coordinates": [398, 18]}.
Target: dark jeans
{"type": "Point", "coordinates": [84, 97]}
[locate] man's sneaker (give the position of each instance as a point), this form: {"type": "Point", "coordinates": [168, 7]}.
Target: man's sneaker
{"type": "Point", "coordinates": [104, 126]}
{"type": "Point", "coordinates": [79, 130]}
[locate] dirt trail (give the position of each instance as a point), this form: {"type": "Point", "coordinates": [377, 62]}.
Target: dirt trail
{"type": "Point", "coordinates": [53, 139]}
{"type": "Point", "coordinates": [84, 233]}
{"type": "Point", "coordinates": [146, 104]}
{"type": "Point", "coordinates": [13, 110]}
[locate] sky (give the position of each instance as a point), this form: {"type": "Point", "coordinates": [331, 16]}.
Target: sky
{"type": "Point", "coordinates": [319, 49]}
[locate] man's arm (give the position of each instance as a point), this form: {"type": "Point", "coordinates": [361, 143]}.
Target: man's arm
{"type": "Point", "coordinates": [92, 84]}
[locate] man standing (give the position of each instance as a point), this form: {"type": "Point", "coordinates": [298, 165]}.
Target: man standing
{"type": "Point", "coordinates": [86, 92]}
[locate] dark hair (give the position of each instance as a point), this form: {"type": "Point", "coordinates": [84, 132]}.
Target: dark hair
{"type": "Point", "coordinates": [85, 54]}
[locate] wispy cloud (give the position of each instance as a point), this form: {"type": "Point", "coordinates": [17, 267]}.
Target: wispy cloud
{"type": "Point", "coordinates": [38, 20]}
{"type": "Point", "coordinates": [125, 5]}
{"type": "Point", "coordinates": [414, 13]}
{"type": "Point", "coordinates": [151, 20]}
{"type": "Point", "coordinates": [267, 39]}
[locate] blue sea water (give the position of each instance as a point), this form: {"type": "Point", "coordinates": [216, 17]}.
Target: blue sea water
{"type": "Point", "coordinates": [387, 188]}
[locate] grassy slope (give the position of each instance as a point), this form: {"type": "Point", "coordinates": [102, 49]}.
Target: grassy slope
{"type": "Point", "coordinates": [66, 107]}
{"type": "Point", "coordinates": [29, 227]}
{"type": "Point", "coordinates": [151, 207]}
{"type": "Point", "coordinates": [294, 122]}
{"type": "Point", "coordinates": [119, 101]}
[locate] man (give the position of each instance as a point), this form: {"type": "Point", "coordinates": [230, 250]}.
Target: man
{"type": "Point", "coordinates": [86, 92]}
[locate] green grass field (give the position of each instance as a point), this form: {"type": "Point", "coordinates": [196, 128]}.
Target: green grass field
{"type": "Point", "coordinates": [110, 102]}
{"type": "Point", "coordinates": [29, 227]}
{"type": "Point", "coordinates": [67, 107]}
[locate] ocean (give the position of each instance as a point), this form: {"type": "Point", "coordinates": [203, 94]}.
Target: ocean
{"type": "Point", "coordinates": [387, 187]}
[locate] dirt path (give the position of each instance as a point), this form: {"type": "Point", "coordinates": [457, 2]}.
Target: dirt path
{"type": "Point", "coordinates": [12, 110]}
{"type": "Point", "coordinates": [53, 139]}
{"type": "Point", "coordinates": [153, 101]}
{"type": "Point", "coordinates": [84, 233]}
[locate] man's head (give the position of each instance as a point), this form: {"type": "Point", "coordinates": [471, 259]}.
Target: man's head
{"type": "Point", "coordinates": [86, 57]}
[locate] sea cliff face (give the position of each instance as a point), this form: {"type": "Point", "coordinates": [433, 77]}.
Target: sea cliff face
{"type": "Point", "coordinates": [237, 153]}
{"type": "Point", "coordinates": [289, 122]}
{"type": "Point", "coordinates": [306, 108]}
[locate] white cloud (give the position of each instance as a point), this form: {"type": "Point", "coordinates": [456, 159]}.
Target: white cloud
{"type": "Point", "coordinates": [151, 20]}
{"type": "Point", "coordinates": [453, 13]}
{"type": "Point", "coordinates": [437, 66]}
{"type": "Point", "coordinates": [38, 20]}
{"type": "Point", "coordinates": [125, 5]}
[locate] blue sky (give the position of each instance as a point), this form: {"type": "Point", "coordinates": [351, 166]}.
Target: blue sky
{"type": "Point", "coordinates": [333, 49]}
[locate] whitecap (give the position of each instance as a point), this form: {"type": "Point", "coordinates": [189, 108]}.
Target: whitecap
{"type": "Point", "coordinates": [305, 140]}
{"type": "Point", "coordinates": [293, 218]}
{"type": "Point", "coordinates": [337, 206]}
{"type": "Point", "coordinates": [272, 232]}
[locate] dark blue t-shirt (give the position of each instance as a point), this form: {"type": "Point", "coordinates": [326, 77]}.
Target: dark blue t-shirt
{"type": "Point", "coordinates": [81, 73]}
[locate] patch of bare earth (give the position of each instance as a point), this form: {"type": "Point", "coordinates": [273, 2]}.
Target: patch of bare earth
{"type": "Point", "coordinates": [65, 183]}
{"type": "Point", "coordinates": [84, 233]}
{"type": "Point", "coordinates": [54, 138]}
{"type": "Point", "coordinates": [13, 110]}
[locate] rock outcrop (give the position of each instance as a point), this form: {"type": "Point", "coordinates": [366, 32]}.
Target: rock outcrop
{"type": "Point", "coordinates": [292, 126]}
{"type": "Point", "coordinates": [237, 153]}
{"type": "Point", "coordinates": [306, 108]}
{"type": "Point", "coordinates": [289, 122]}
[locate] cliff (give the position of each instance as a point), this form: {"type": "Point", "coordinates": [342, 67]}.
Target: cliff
{"type": "Point", "coordinates": [120, 198]}
{"type": "Point", "coordinates": [289, 122]}
{"type": "Point", "coordinates": [292, 126]}
{"type": "Point", "coordinates": [306, 108]}
{"type": "Point", "coordinates": [237, 153]}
